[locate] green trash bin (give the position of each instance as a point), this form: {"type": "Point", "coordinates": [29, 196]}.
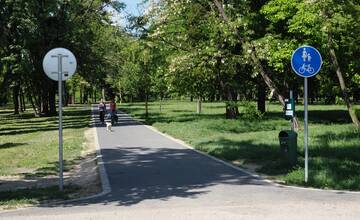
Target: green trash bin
{"type": "Point", "coordinates": [288, 146]}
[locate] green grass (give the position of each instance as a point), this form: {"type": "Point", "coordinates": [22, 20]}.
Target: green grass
{"type": "Point", "coordinates": [334, 143]}
{"type": "Point", "coordinates": [21, 197]}
{"type": "Point", "coordinates": [29, 145]}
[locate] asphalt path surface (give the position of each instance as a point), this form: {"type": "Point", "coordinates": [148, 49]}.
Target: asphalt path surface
{"type": "Point", "coordinates": [154, 177]}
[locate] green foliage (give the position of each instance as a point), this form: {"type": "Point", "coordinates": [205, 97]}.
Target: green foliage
{"type": "Point", "coordinates": [204, 50]}
{"type": "Point", "coordinates": [339, 100]}
{"type": "Point", "coordinates": [20, 197]}
{"type": "Point", "coordinates": [29, 145]}
{"type": "Point", "coordinates": [250, 112]}
{"type": "Point", "coordinates": [277, 51]}
{"type": "Point", "coordinates": [280, 10]}
{"type": "Point", "coordinates": [30, 28]}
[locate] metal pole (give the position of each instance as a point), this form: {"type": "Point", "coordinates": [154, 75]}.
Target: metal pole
{"type": "Point", "coordinates": [292, 118]}
{"type": "Point", "coordinates": [306, 127]}
{"type": "Point", "coordinates": [61, 181]}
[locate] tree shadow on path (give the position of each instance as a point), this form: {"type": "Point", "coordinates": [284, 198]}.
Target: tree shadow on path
{"type": "Point", "coordinates": [139, 173]}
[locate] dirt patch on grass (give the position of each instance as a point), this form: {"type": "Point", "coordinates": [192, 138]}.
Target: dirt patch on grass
{"type": "Point", "coordinates": [86, 174]}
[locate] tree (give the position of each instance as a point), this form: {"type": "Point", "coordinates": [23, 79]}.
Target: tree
{"type": "Point", "coordinates": [201, 60]}
{"type": "Point", "coordinates": [331, 25]}
{"type": "Point", "coordinates": [30, 28]}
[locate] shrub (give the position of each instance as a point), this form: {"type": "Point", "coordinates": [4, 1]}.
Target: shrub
{"type": "Point", "coordinates": [249, 111]}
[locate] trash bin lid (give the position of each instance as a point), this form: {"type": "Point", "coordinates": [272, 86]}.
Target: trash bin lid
{"type": "Point", "coordinates": [287, 133]}
{"type": "Point", "coordinates": [283, 134]}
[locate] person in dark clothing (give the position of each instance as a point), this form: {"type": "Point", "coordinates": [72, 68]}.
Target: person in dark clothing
{"type": "Point", "coordinates": [102, 111]}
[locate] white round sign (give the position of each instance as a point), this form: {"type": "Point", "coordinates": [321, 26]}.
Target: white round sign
{"type": "Point", "coordinates": [59, 59]}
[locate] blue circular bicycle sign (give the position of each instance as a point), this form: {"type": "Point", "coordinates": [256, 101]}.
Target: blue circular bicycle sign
{"type": "Point", "coordinates": [306, 61]}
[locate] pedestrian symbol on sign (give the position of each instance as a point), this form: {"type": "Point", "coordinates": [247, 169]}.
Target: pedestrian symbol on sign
{"type": "Point", "coordinates": [306, 56]}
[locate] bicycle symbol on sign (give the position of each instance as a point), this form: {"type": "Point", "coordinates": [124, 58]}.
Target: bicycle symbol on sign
{"type": "Point", "coordinates": [306, 68]}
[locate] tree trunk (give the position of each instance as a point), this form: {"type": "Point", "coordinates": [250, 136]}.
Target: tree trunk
{"type": "Point", "coordinates": [261, 97]}
{"type": "Point", "coordinates": [52, 100]}
{"type": "Point", "coordinates": [37, 100]}
{"type": "Point", "coordinates": [73, 94]}
{"type": "Point", "coordinates": [266, 78]}
{"type": "Point", "coordinates": [339, 74]}
{"type": "Point", "coordinates": [22, 100]}
{"type": "Point", "coordinates": [45, 104]}
{"type": "Point", "coordinates": [81, 95]}
{"type": "Point", "coordinates": [198, 105]}
{"type": "Point", "coordinates": [271, 84]}
{"type": "Point", "coordinates": [4, 88]}
{"type": "Point", "coordinates": [161, 103]}
{"type": "Point", "coordinates": [221, 10]}
{"type": "Point", "coordinates": [146, 106]}
{"type": "Point", "coordinates": [85, 95]}
{"type": "Point", "coordinates": [232, 111]}
{"type": "Point", "coordinates": [34, 101]}
{"type": "Point", "coordinates": [66, 95]}
{"type": "Point", "coordinates": [32, 104]}
{"type": "Point", "coordinates": [95, 98]}
{"type": "Point", "coordinates": [16, 90]}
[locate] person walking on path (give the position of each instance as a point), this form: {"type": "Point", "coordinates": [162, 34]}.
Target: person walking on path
{"type": "Point", "coordinates": [113, 112]}
{"type": "Point", "coordinates": [112, 106]}
{"type": "Point", "coordinates": [102, 111]}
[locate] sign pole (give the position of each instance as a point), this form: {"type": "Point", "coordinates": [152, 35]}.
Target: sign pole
{"type": "Point", "coordinates": [306, 61]}
{"type": "Point", "coordinates": [61, 165]}
{"type": "Point", "coordinates": [306, 127]}
{"type": "Point", "coordinates": [292, 118]}
{"type": "Point", "coordinates": [61, 180]}
{"type": "Point", "coordinates": [51, 68]}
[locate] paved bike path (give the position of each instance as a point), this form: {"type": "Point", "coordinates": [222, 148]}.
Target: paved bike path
{"type": "Point", "coordinates": [142, 164]}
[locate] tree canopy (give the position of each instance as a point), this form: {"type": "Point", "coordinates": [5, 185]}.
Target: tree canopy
{"type": "Point", "coordinates": [228, 50]}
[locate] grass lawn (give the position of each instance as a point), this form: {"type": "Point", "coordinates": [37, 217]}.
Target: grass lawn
{"type": "Point", "coordinates": [334, 143]}
{"type": "Point", "coordinates": [21, 197]}
{"type": "Point", "coordinates": [29, 145]}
